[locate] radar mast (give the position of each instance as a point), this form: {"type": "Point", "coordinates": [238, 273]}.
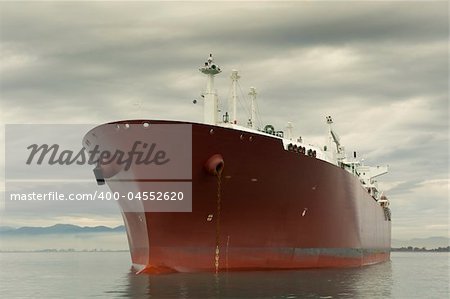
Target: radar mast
{"type": "Point", "coordinates": [210, 108]}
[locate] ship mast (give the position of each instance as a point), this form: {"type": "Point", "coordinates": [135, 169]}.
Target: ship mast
{"type": "Point", "coordinates": [252, 95]}
{"type": "Point", "coordinates": [210, 107]}
{"type": "Point", "coordinates": [289, 128]}
{"type": "Point", "coordinates": [234, 79]}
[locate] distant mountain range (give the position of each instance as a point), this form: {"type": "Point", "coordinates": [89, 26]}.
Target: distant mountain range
{"type": "Point", "coordinates": [58, 229]}
{"type": "Point", "coordinates": [429, 243]}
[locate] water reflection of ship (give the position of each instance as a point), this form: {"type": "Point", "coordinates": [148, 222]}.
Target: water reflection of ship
{"type": "Point", "coordinates": [374, 281]}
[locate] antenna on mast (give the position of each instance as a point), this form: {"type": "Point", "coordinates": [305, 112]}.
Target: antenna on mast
{"type": "Point", "coordinates": [210, 107]}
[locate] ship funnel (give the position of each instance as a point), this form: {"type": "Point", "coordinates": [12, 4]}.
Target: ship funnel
{"type": "Point", "coordinates": [214, 165]}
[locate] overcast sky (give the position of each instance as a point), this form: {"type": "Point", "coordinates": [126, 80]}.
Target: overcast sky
{"type": "Point", "coordinates": [380, 69]}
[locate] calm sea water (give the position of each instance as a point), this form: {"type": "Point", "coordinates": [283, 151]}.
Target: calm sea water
{"type": "Point", "coordinates": [107, 275]}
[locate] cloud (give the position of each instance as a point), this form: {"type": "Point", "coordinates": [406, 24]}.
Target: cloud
{"type": "Point", "coordinates": [380, 68]}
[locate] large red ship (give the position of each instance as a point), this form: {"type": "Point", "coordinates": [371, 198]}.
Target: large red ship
{"type": "Point", "coordinates": [260, 199]}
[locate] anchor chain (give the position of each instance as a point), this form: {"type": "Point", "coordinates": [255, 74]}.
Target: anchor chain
{"type": "Point", "coordinates": [219, 198]}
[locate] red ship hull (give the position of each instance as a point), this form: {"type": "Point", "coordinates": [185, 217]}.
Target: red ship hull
{"type": "Point", "coordinates": [279, 210]}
